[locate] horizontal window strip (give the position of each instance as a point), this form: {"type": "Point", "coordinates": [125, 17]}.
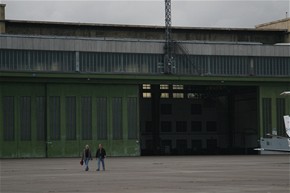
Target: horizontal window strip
{"type": "Point", "coordinates": [137, 63]}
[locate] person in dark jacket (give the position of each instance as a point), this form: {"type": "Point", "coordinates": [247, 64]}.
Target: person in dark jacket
{"type": "Point", "coordinates": [101, 155]}
{"type": "Point", "coordinates": [87, 156]}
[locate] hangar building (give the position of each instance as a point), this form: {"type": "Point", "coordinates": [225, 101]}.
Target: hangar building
{"type": "Point", "coordinates": [64, 85]}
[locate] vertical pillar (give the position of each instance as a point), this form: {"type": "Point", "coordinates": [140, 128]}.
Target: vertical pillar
{"type": "Point", "coordinates": [77, 66]}
{"type": "Point", "coordinates": [231, 121]}
{"type": "Point", "coordinates": [156, 118]}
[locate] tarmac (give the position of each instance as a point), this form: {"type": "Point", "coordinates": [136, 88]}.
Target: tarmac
{"type": "Point", "coordinates": [162, 174]}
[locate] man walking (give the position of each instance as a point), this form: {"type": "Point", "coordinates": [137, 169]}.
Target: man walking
{"type": "Point", "coordinates": [101, 155]}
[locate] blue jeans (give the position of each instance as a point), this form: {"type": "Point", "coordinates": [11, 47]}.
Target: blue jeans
{"type": "Point", "coordinates": [86, 162]}
{"type": "Point", "coordinates": [99, 163]}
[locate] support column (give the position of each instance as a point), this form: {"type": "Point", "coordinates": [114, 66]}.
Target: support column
{"type": "Point", "coordinates": [231, 121]}
{"type": "Point", "coordinates": [156, 118]}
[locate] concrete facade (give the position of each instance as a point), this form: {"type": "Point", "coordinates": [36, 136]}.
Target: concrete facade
{"type": "Point", "coordinates": [283, 24]}
{"type": "Point", "coordinates": [279, 24]}
{"type": "Point", "coordinates": [269, 36]}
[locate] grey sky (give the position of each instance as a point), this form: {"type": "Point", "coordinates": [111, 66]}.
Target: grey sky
{"type": "Point", "coordinates": [214, 13]}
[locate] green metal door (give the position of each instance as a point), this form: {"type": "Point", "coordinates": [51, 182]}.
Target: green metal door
{"type": "Point", "coordinates": [23, 117]}
{"type": "Point", "coordinates": [91, 114]}
{"type": "Point", "coordinates": [63, 138]}
{"type": "Point", "coordinates": [58, 120]}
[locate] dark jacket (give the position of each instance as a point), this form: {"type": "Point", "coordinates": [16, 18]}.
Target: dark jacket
{"type": "Point", "coordinates": [87, 154]}
{"type": "Point", "coordinates": [101, 153]}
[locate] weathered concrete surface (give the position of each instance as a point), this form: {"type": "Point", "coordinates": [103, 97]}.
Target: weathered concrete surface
{"type": "Point", "coordinates": [199, 174]}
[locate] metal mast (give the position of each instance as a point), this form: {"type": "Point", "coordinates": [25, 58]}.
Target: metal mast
{"type": "Point", "coordinates": [168, 57]}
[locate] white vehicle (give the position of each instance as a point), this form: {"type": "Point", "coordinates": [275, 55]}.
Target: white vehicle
{"type": "Point", "coordinates": [277, 144]}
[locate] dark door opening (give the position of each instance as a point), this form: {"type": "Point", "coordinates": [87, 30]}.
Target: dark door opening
{"type": "Point", "coordinates": [195, 119]}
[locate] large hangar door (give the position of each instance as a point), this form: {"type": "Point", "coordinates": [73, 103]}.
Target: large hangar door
{"type": "Point", "coordinates": [22, 112]}
{"type": "Point", "coordinates": [191, 119]}
{"type": "Point", "coordinates": [90, 114]}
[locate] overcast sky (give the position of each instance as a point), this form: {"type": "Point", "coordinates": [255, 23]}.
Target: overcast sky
{"type": "Point", "coordinates": [189, 13]}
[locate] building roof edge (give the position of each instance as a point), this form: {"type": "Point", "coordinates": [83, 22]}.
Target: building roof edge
{"type": "Point", "coordinates": [141, 26]}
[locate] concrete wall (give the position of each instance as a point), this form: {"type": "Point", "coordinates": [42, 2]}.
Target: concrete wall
{"type": "Point", "coordinates": [279, 24]}
{"type": "Point", "coordinates": [144, 32]}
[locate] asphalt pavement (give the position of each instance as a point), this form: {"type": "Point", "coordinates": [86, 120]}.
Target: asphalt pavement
{"type": "Point", "coordinates": [168, 174]}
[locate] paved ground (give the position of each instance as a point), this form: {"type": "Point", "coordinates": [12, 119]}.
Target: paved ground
{"type": "Point", "coordinates": [198, 174]}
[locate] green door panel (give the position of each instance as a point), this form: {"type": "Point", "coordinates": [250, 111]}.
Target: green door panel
{"type": "Point", "coordinates": [73, 148]}
{"type": "Point", "coordinates": [49, 125]}
{"type": "Point", "coordinates": [31, 147]}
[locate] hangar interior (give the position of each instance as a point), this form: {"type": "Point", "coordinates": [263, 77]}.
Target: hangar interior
{"type": "Point", "coordinates": [198, 119]}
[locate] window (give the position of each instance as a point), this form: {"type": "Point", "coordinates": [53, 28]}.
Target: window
{"type": "Point", "coordinates": [177, 87]}
{"type": "Point", "coordinates": [166, 145]}
{"type": "Point", "coordinates": [40, 117]}
{"type": "Point", "coordinates": [194, 96]}
{"type": "Point", "coordinates": [105, 62]}
{"type": "Point", "coordinates": [146, 95]}
{"type": "Point", "coordinates": [211, 126]}
{"type": "Point", "coordinates": [70, 107]}
{"type": "Point", "coordinates": [181, 126]}
{"type": "Point", "coordinates": [181, 146]}
{"type": "Point", "coordinates": [86, 115]}
{"type": "Point", "coordinates": [267, 115]}
{"type": "Point", "coordinates": [101, 112]}
{"type": "Point", "coordinates": [146, 86]}
{"type": "Point", "coordinates": [148, 126]}
{"type": "Point", "coordinates": [166, 109]}
{"type": "Point", "coordinates": [117, 118]}
{"type": "Point", "coordinates": [178, 95]}
{"type": "Point", "coordinates": [164, 95]}
{"type": "Point", "coordinates": [54, 114]}
{"type": "Point", "coordinates": [196, 126]}
{"type": "Point", "coordinates": [8, 118]}
{"type": "Point", "coordinates": [211, 143]}
{"type": "Point", "coordinates": [165, 126]}
{"type": "Point", "coordinates": [25, 118]}
{"type": "Point", "coordinates": [196, 145]}
{"type": "Point", "coordinates": [281, 111]}
{"type": "Point", "coordinates": [196, 109]}
{"type": "Point", "coordinates": [164, 86]}
{"type": "Point", "coordinates": [149, 144]}
{"type": "Point", "coordinates": [132, 118]}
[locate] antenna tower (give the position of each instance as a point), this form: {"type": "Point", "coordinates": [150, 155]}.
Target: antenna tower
{"type": "Point", "coordinates": [168, 57]}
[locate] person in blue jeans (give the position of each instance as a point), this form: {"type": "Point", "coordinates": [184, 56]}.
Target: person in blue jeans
{"type": "Point", "coordinates": [101, 155]}
{"type": "Point", "coordinates": [87, 156]}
